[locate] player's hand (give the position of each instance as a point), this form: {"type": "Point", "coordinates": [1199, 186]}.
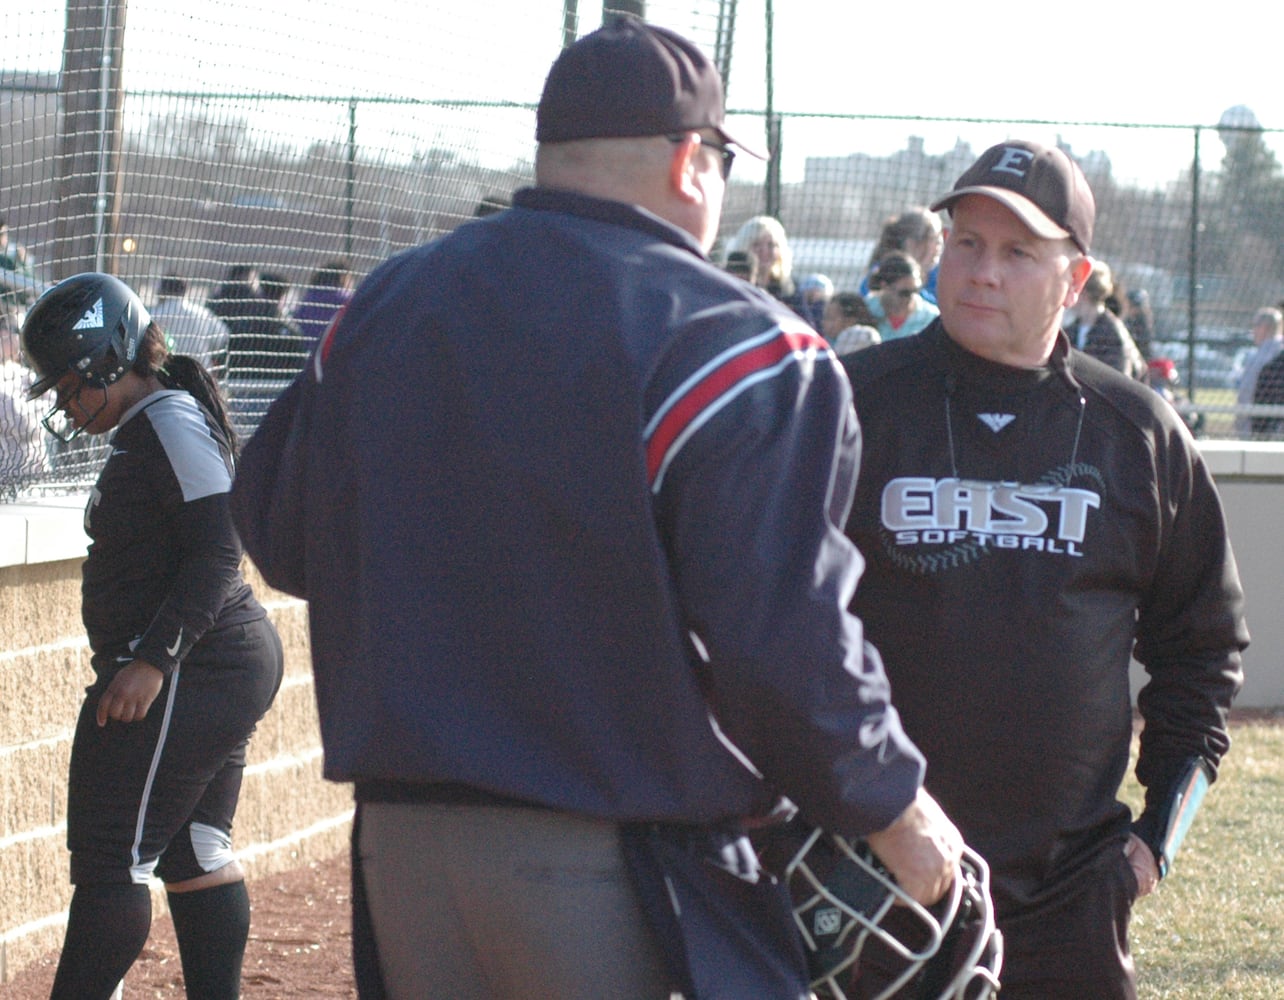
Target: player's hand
{"type": "Point", "coordinates": [130, 693]}
{"type": "Point", "coordinates": [1142, 860]}
{"type": "Point", "coordinates": [922, 849]}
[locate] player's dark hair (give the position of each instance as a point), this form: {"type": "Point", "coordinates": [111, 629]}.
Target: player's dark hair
{"type": "Point", "coordinates": [180, 371]}
{"type": "Point", "coordinates": [900, 230]}
{"type": "Point", "coordinates": [331, 274]}
{"type": "Point", "coordinates": [171, 286]}
{"type": "Point", "coordinates": [743, 264]}
{"type": "Point", "coordinates": [891, 268]}
{"type": "Point", "coordinates": [854, 309]}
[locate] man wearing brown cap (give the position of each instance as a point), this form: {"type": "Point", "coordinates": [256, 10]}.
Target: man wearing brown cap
{"type": "Point", "coordinates": [566, 500]}
{"type": "Point", "coordinates": [1031, 519]}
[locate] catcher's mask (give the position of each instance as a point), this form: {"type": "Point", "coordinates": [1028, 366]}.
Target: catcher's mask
{"type": "Point", "coordinates": [863, 934]}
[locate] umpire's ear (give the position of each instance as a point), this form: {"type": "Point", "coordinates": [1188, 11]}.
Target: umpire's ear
{"type": "Point", "coordinates": [684, 168]}
{"type": "Point", "coordinates": [694, 189]}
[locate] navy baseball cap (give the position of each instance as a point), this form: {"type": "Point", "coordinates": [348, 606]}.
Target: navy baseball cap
{"type": "Point", "coordinates": [629, 78]}
{"type": "Point", "coordinates": [1041, 185]}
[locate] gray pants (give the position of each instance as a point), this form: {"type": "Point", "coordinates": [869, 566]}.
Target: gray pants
{"type": "Point", "coordinates": [492, 903]}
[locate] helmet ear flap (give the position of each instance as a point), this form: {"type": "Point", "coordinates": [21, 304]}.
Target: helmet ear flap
{"type": "Point", "coordinates": [128, 333]}
{"type": "Point", "coordinates": [123, 339]}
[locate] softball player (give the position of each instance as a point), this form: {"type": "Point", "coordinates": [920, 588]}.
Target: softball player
{"type": "Point", "coordinates": [184, 658]}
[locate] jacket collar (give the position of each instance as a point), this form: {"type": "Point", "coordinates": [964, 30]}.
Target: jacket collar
{"type": "Point", "coordinates": [963, 367]}
{"type": "Point", "coordinates": [616, 213]}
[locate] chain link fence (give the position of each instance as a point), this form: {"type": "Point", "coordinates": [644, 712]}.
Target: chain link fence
{"type": "Point", "coordinates": [202, 152]}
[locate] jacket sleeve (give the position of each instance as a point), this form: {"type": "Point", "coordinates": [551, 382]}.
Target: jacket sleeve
{"type": "Point", "coordinates": [1190, 630]}
{"type": "Point", "coordinates": [268, 495]}
{"type": "Point", "coordinates": [752, 448]}
{"type": "Point", "coordinates": [209, 567]}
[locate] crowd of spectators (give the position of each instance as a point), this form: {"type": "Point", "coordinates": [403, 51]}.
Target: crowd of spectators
{"type": "Point", "coordinates": [254, 330]}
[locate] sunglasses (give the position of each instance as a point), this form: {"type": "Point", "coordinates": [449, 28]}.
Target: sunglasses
{"type": "Point", "coordinates": [727, 154]}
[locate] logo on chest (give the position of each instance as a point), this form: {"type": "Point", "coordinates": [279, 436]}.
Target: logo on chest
{"type": "Point", "coordinates": [976, 515]}
{"type": "Point", "coordinates": [996, 421]}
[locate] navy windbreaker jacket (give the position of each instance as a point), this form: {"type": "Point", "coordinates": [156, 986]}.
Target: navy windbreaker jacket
{"type": "Point", "coordinates": [566, 501]}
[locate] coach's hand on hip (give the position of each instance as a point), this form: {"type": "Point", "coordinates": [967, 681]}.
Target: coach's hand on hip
{"type": "Point", "coordinates": [1144, 866]}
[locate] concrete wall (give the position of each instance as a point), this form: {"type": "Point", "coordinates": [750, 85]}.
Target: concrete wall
{"type": "Point", "coordinates": [288, 814]}
{"type": "Point", "coordinates": [1250, 478]}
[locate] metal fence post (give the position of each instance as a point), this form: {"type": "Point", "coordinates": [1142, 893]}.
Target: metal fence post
{"type": "Point", "coordinates": [89, 182]}
{"type": "Point", "coordinates": [1192, 292]}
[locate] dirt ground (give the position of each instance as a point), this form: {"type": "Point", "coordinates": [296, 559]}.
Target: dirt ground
{"type": "Point", "coordinates": [300, 944]}
{"type": "Point", "coordinates": [300, 936]}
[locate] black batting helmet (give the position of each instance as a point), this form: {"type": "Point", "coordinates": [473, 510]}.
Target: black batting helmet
{"type": "Point", "coordinates": [90, 324]}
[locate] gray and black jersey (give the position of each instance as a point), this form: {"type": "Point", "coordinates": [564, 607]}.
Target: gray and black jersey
{"type": "Point", "coordinates": [164, 561]}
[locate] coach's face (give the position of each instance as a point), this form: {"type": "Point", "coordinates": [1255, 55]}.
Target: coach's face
{"type": "Point", "coordinates": [1002, 289]}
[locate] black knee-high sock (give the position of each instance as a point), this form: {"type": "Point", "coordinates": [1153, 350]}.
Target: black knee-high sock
{"type": "Point", "coordinates": [212, 926]}
{"type": "Point", "coordinates": [107, 927]}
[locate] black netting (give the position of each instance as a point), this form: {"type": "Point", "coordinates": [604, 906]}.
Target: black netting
{"type": "Point", "coordinates": [286, 141]}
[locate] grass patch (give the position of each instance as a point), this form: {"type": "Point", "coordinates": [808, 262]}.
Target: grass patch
{"type": "Point", "coordinates": [1215, 927]}
{"type": "Point", "coordinates": [1217, 425]}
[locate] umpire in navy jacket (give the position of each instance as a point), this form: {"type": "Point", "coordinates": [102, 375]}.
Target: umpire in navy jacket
{"type": "Point", "coordinates": [566, 502]}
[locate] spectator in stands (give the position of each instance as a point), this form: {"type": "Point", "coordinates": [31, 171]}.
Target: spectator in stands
{"type": "Point", "coordinates": [1269, 391]}
{"type": "Point", "coordinates": [764, 237]}
{"type": "Point", "coordinates": [742, 264]}
{"type": "Point", "coordinates": [240, 284]}
{"type": "Point", "coordinates": [276, 289]}
{"type": "Point", "coordinates": [256, 335]}
{"type": "Point", "coordinates": [283, 356]}
{"type": "Point", "coordinates": [848, 324]}
{"type": "Point", "coordinates": [1097, 331]}
{"type": "Point", "coordinates": [264, 352]}
{"type": "Point", "coordinates": [13, 257]}
{"type": "Point", "coordinates": [23, 454]}
{"type": "Point", "coordinates": [329, 290]}
{"type": "Point", "coordinates": [1268, 336]}
{"type": "Point", "coordinates": [193, 329]}
{"type": "Point", "coordinates": [895, 298]}
{"type": "Point", "coordinates": [250, 316]}
{"type": "Point", "coordinates": [240, 297]}
{"type": "Point", "coordinates": [814, 293]}
{"type": "Point", "coordinates": [918, 232]}
{"type": "Point", "coordinates": [1139, 319]}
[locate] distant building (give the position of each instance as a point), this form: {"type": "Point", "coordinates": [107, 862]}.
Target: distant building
{"type": "Point", "coordinates": [910, 176]}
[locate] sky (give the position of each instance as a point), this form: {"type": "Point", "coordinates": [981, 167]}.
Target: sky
{"type": "Point", "coordinates": [1133, 61]}
{"type": "Point", "coordinates": [1127, 60]}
